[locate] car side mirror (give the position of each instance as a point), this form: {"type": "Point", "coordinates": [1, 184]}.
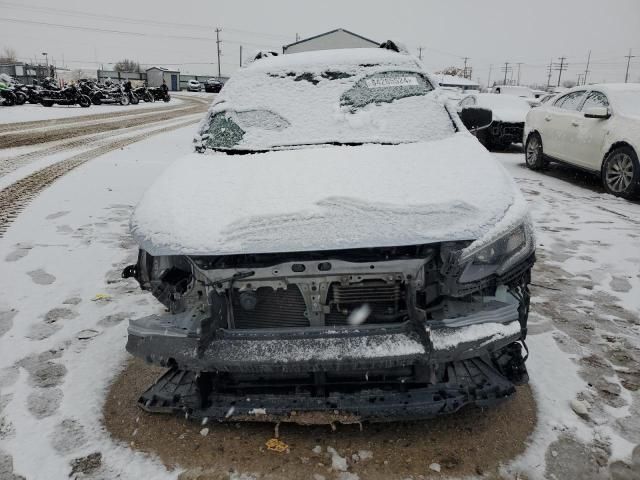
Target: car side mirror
{"type": "Point", "coordinates": [475, 118]}
{"type": "Point", "coordinates": [597, 112]}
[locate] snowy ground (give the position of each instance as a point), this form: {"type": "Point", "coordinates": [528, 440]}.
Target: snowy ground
{"type": "Point", "coordinates": [29, 112]}
{"type": "Point", "coordinates": [63, 312]}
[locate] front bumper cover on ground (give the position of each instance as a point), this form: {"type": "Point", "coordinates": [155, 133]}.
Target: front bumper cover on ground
{"type": "Point", "coordinates": [470, 382]}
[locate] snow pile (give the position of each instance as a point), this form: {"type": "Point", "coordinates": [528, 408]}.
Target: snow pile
{"type": "Point", "coordinates": [328, 198]}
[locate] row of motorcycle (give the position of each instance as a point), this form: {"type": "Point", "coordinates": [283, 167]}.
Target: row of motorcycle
{"type": "Point", "coordinates": [84, 93]}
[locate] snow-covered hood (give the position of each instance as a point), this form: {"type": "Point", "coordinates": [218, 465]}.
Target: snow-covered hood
{"type": "Point", "coordinates": [505, 108]}
{"type": "Point", "coordinates": [327, 198]}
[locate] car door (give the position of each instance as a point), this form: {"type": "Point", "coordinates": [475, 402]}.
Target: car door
{"type": "Point", "coordinates": [591, 132]}
{"type": "Point", "coordinates": [560, 130]}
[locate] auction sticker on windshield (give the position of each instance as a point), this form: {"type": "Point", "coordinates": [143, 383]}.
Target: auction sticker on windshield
{"type": "Point", "coordinates": [395, 81]}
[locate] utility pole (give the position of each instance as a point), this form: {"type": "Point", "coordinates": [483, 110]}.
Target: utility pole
{"type": "Point", "coordinates": [580, 77]}
{"type": "Point", "coordinates": [586, 70]}
{"type": "Point", "coordinates": [628, 57]}
{"type": "Point", "coordinates": [240, 55]}
{"type": "Point", "coordinates": [560, 67]}
{"type": "Point", "coordinates": [465, 72]}
{"type": "Point", "coordinates": [420, 52]}
{"type": "Point", "coordinates": [297, 37]}
{"type": "Point", "coordinates": [489, 77]}
{"type": "Point", "coordinates": [550, 66]}
{"type": "Point", "coordinates": [519, 64]}
{"type": "Point", "coordinates": [506, 69]}
{"type": "Point", "coordinates": [218, 30]}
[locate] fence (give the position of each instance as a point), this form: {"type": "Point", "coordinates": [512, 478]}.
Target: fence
{"type": "Point", "coordinates": [27, 73]}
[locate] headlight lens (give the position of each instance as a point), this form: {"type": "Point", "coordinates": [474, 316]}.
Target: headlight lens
{"type": "Point", "coordinates": [499, 255]}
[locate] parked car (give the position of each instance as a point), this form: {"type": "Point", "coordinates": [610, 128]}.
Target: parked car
{"type": "Point", "coordinates": [339, 248]}
{"type": "Point", "coordinates": [594, 128]}
{"type": "Point", "coordinates": [194, 86]}
{"type": "Point", "coordinates": [508, 114]}
{"type": "Point", "coordinates": [213, 85]}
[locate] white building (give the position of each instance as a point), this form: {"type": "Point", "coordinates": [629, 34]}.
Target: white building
{"type": "Point", "coordinates": [155, 76]}
{"type": "Point", "coordinates": [338, 38]}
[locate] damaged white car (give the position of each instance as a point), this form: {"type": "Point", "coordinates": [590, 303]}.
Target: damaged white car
{"type": "Point", "coordinates": [339, 248]}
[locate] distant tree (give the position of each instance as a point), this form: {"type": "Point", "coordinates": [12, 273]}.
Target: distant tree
{"type": "Point", "coordinates": [127, 65]}
{"type": "Point", "coordinates": [569, 83]}
{"type": "Point", "coordinates": [459, 72]}
{"type": "Point", "coordinates": [8, 55]}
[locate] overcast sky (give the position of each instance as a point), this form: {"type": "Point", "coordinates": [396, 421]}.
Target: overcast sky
{"type": "Point", "coordinates": [181, 33]}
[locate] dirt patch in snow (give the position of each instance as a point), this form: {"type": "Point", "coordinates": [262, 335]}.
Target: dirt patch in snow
{"type": "Point", "coordinates": [471, 442]}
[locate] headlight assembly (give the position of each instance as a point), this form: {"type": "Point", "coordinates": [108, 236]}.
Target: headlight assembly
{"type": "Point", "coordinates": [498, 256]}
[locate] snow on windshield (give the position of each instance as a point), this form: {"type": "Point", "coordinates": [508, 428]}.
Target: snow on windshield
{"type": "Point", "coordinates": [312, 98]}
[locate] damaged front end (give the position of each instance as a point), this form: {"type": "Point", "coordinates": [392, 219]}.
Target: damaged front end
{"type": "Point", "coordinates": [369, 334]}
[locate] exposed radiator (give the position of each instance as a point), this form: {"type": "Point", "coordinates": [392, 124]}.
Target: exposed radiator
{"type": "Point", "coordinates": [275, 309]}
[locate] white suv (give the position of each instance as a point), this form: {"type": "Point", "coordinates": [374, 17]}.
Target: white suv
{"type": "Point", "coordinates": [595, 128]}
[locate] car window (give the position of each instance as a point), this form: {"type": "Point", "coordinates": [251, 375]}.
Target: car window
{"type": "Point", "coordinates": [570, 101]}
{"type": "Point", "coordinates": [595, 99]}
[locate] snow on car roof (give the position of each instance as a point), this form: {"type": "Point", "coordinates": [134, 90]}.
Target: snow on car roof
{"type": "Point", "coordinates": [340, 96]}
{"type": "Point", "coordinates": [320, 59]}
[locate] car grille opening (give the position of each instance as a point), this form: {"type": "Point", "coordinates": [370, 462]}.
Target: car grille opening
{"type": "Point", "coordinates": [282, 308]}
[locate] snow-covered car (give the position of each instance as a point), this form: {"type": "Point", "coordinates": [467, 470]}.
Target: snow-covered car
{"type": "Point", "coordinates": [194, 86]}
{"type": "Point", "coordinates": [339, 248]}
{"type": "Point", "coordinates": [508, 114]}
{"type": "Point", "coordinates": [595, 128]}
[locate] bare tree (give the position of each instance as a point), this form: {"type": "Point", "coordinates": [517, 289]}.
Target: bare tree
{"type": "Point", "coordinates": [127, 65]}
{"type": "Point", "coordinates": [459, 72]}
{"type": "Point", "coordinates": [8, 55]}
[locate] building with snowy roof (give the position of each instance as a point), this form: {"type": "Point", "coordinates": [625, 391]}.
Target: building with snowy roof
{"type": "Point", "coordinates": [338, 38]}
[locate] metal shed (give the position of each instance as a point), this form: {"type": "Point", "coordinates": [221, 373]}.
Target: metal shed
{"type": "Point", "coordinates": [156, 75]}
{"type": "Point", "coordinates": [338, 38]}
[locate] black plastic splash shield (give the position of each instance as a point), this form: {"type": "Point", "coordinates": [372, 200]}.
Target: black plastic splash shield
{"type": "Point", "coordinates": [470, 382]}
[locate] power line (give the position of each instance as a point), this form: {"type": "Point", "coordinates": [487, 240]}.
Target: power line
{"type": "Point", "coordinates": [123, 32]}
{"type": "Point", "coordinates": [560, 67]}
{"type": "Point", "coordinates": [519, 65]}
{"type": "Point", "coordinates": [218, 47]}
{"type": "Point", "coordinates": [628, 57]}
{"type": "Point", "coordinates": [139, 21]}
{"type": "Point", "coordinates": [586, 70]}
{"type": "Point", "coordinates": [505, 69]}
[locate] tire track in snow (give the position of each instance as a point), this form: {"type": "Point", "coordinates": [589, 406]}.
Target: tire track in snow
{"type": "Point", "coordinates": [17, 196]}
{"type": "Point", "coordinates": [22, 138]}
{"type": "Point", "coordinates": [55, 122]}
{"type": "Point", "coordinates": [11, 164]}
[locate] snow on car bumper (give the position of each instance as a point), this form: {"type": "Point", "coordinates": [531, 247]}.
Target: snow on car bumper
{"type": "Point", "coordinates": [318, 350]}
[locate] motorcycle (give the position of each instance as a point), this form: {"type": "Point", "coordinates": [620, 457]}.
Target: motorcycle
{"type": "Point", "coordinates": [70, 95]}
{"type": "Point", "coordinates": [110, 95]}
{"type": "Point", "coordinates": [160, 94]}
{"type": "Point", "coordinates": [145, 94]}
{"type": "Point", "coordinates": [7, 95]}
{"type": "Point", "coordinates": [31, 91]}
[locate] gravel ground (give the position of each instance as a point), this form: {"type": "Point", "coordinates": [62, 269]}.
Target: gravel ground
{"type": "Point", "coordinates": [469, 443]}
